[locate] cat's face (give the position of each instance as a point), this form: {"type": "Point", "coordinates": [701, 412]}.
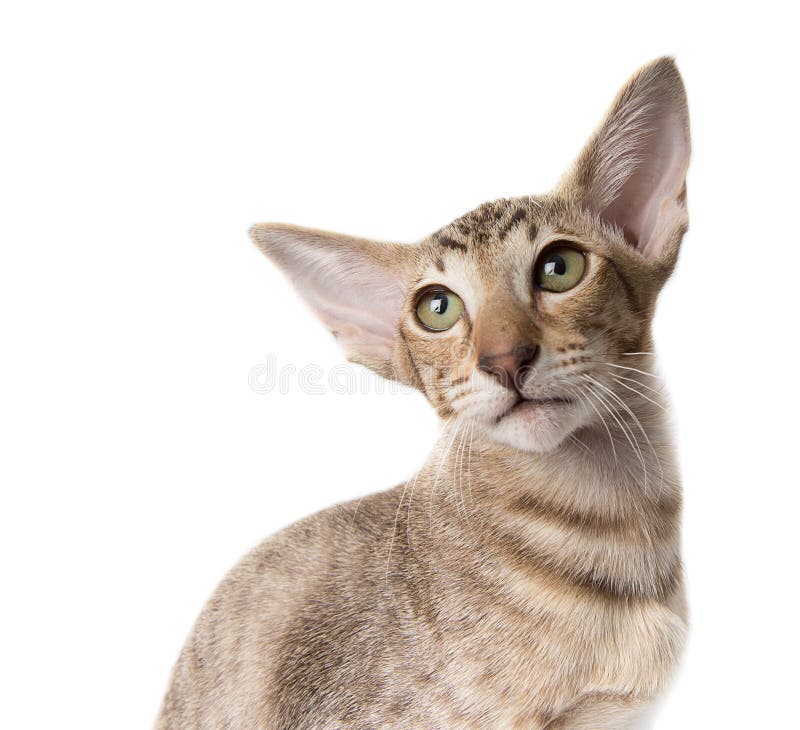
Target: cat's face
{"type": "Point", "coordinates": [517, 312]}
{"type": "Point", "coordinates": [524, 318]}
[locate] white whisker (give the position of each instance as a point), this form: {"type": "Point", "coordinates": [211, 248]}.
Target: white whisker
{"type": "Point", "coordinates": [455, 487]}
{"type": "Point", "coordinates": [396, 514]}
{"type": "Point", "coordinates": [603, 420]}
{"type": "Point", "coordinates": [638, 382]}
{"type": "Point", "coordinates": [642, 395]}
{"type": "Point", "coordinates": [635, 370]}
{"type": "Point", "coordinates": [625, 431]}
{"type": "Point", "coordinates": [639, 426]}
{"type": "Point", "coordinates": [445, 453]}
{"type": "Point", "coordinates": [469, 459]}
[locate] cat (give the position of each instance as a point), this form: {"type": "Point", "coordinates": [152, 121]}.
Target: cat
{"type": "Point", "coordinates": [529, 575]}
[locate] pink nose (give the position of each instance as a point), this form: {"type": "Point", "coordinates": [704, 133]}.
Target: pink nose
{"type": "Point", "coordinates": [506, 366]}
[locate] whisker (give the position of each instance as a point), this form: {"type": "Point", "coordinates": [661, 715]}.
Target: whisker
{"type": "Point", "coordinates": [469, 459]}
{"type": "Point", "coordinates": [396, 514]}
{"type": "Point", "coordinates": [445, 453]}
{"type": "Point", "coordinates": [638, 382]}
{"type": "Point", "coordinates": [460, 457]}
{"type": "Point", "coordinates": [572, 437]}
{"type": "Point", "coordinates": [642, 395]}
{"type": "Point", "coordinates": [625, 431]}
{"type": "Point", "coordinates": [456, 467]}
{"type": "Point", "coordinates": [625, 485]}
{"type": "Point", "coordinates": [408, 508]}
{"type": "Point", "coordinates": [355, 512]}
{"type": "Point", "coordinates": [635, 370]}
{"type": "Point", "coordinates": [603, 420]}
{"type": "Point", "coordinates": [640, 427]}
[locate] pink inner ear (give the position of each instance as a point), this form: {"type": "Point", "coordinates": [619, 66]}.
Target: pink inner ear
{"type": "Point", "coordinates": [353, 295]}
{"type": "Point", "coordinates": [355, 286]}
{"type": "Point", "coordinates": [656, 182]}
{"type": "Point", "coordinates": [359, 317]}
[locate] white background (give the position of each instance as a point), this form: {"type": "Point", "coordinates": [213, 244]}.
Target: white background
{"type": "Point", "coordinates": [140, 141]}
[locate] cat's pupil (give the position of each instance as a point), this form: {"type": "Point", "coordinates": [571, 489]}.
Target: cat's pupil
{"type": "Point", "coordinates": [555, 265]}
{"type": "Point", "coordinates": [439, 304]}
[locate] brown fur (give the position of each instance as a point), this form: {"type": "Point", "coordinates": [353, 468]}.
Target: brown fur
{"type": "Point", "coordinates": [529, 575]}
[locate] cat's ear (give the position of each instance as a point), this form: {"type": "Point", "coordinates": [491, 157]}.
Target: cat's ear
{"type": "Point", "coordinates": [632, 172]}
{"type": "Point", "coordinates": [357, 287]}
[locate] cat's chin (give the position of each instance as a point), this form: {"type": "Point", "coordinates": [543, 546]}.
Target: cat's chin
{"type": "Point", "coordinates": [537, 425]}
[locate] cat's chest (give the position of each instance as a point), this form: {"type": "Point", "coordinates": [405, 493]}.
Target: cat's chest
{"type": "Point", "coordinates": [525, 665]}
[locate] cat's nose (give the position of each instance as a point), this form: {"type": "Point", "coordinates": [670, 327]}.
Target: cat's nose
{"type": "Point", "coordinates": [507, 367]}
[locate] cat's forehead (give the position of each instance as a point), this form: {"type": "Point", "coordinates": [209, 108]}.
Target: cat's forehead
{"type": "Point", "coordinates": [490, 224]}
{"type": "Point", "coordinates": [501, 230]}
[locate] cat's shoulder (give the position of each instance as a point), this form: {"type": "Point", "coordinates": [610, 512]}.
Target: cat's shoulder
{"type": "Point", "coordinates": [327, 536]}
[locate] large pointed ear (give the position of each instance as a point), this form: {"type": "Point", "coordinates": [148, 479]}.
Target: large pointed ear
{"type": "Point", "coordinates": [632, 172]}
{"type": "Point", "coordinates": [356, 287]}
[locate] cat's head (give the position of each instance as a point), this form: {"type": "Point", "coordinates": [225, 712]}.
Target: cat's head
{"type": "Point", "coordinates": [524, 314]}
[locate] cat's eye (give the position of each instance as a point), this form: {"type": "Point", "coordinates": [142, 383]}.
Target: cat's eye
{"type": "Point", "coordinates": [439, 309]}
{"type": "Point", "coordinates": [559, 268]}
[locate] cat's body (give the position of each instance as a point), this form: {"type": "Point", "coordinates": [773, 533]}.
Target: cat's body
{"type": "Point", "coordinates": [529, 575]}
{"type": "Point", "coordinates": [404, 611]}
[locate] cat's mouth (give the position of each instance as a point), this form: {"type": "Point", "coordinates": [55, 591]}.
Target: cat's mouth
{"type": "Point", "coordinates": [532, 406]}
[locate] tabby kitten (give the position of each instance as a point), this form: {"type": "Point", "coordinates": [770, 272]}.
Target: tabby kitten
{"type": "Point", "coordinates": [529, 575]}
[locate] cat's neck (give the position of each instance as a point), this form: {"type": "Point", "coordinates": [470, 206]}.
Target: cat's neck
{"type": "Point", "coordinates": [598, 508]}
{"type": "Point", "coordinates": [612, 469]}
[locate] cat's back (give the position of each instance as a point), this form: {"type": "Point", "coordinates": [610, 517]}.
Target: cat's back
{"type": "Point", "coordinates": [306, 608]}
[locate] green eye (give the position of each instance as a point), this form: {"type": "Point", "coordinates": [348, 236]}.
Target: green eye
{"type": "Point", "coordinates": [559, 268]}
{"type": "Point", "coordinates": [439, 309]}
